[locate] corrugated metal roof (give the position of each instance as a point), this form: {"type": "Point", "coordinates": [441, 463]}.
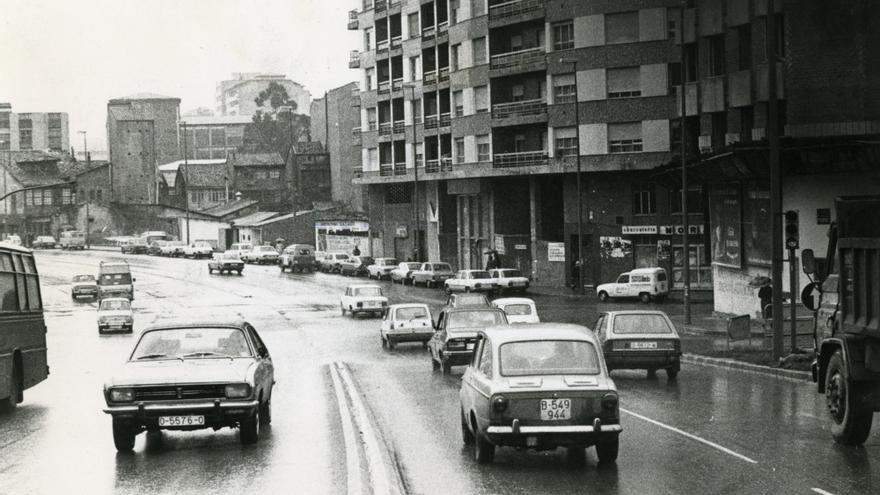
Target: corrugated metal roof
{"type": "Point", "coordinates": [254, 219]}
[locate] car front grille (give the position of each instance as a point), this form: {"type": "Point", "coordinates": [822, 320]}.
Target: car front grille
{"type": "Point", "coordinates": [180, 392]}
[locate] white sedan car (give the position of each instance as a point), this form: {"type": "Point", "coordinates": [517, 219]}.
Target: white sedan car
{"type": "Point", "coordinates": [509, 279]}
{"type": "Point", "coordinates": [363, 299]}
{"type": "Point", "coordinates": [406, 323]}
{"type": "Point", "coordinates": [518, 309]}
{"type": "Point", "coordinates": [198, 249]}
{"type": "Point", "coordinates": [470, 281]}
{"type": "Point", "coordinates": [381, 268]}
{"type": "Point", "coordinates": [261, 255]}
{"type": "Point", "coordinates": [114, 314]}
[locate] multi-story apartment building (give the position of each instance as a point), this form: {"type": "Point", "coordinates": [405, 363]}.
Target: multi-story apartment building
{"type": "Point", "coordinates": [40, 131]}
{"type": "Point", "coordinates": [236, 96]}
{"type": "Point", "coordinates": [211, 137]}
{"type": "Point", "coordinates": [310, 175]}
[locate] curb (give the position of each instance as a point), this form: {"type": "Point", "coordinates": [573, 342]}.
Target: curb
{"type": "Point", "coordinates": [747, 367]}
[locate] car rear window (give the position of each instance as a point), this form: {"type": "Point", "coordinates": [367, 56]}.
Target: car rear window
{"type": "Point", "coordinates": [480, 275]}
{"type": "Point", "coordinates": [115, 305]}
{"type": "Point", "coordinates": [368, 291]}
{"type": "Point", "coordinates": [475, 319]}
{"type": "Point", "coordinates": [510, 273]}
{"type": "Point", "coordinates": [442, 267]}
{"type": "Point", "coordinates": [518, 309]}
{"type": "Point", "coordinates": [83, 278]}
{"type": "Point", "coordinates": [548, 357]}
{"type": "Point", "coordinates": [638, 324]}
{"type": "Point", "coordinates": [411, 313]}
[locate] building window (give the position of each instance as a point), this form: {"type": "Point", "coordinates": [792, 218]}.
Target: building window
{"type": "Point", "coordinates": [48, 197]}
{"type": "Point", "coordinates": [413, 23]}
{"type": "Point", "coordinates": [695, 200]}
{"type": "Point", "coordinates": [99, 194]}
{"type": "Point", "coordinates": [624, 82]}
{"type": "Point", "coordinates": [479, 46]}
{"type": "Point", "coordinates": [218, 137]}
{"type": "Point", "coordinates": [455, 55]}
{"type": "Point", "coordinates": [261, 174]}
{"type": "Point", "coordinates": [516, 42]}
{"type": "Point", "coordinates": [622, 28]}
{"type": "Point", "coordinates": [414, 64]}
{"type": "Point", "coordinates": [744, 42]}
{"type": "Point", "coordinates": [66, 197]}
{"type": "Point", "coordinates": [25, 138]}
{"type": "Point", "coordinates": [564, 90]}
{"type": "Point", "coordinates": [458, 103]}
{"type": "Point", "coordinates": [643, 200]}
{"type": "Point", "coordinates": [823, 216]}
{"type": "Point", "coordinates": [566, 141]}
{"type": "Point", "coordinates": [417, 111]}
{"type": "Point", "coordinates": [369, 77]}
{"type": "Point", "coordinates": [398, 194]}
{"type": "Point", "coordinates": [563, 35]}
{"type": "Point", "coordinates": [419, 153]}
{"type": "Point", "coordinates": [780, 35]}
{"type": "Point", "coordinates": [484, 148]}
{"type": "Point", "coordinates": [368, 39]}
{"type": "Point", "coordinates": [4, 120]}
{"type": "Point", "coordinates": [519, 143]}
{"type": "Point", "coordinates": [274, 174]}
{"type": "Point", "coordinates": [481, 99]}
{"type": "Point", "coordinates": [92, 195]}
{"type": "Point", "coordinates": [371, 119]}
{"type": "Point", "coordinates": [517, 93]}
{"type": "Point", "coordinates": [716, 62]}
{"type": "Point", "coordinates": [478, 8]}
{"type": "Point", "coordinates": [459, 150]}
{"type": "Point", "coordinates": [453, 11]}
{"type": "Point", "coordinates": [690, 62]}
{"type": "Point", "coordinates": [625, 137]}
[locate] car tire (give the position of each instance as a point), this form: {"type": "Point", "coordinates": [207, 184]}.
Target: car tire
{"type": "Point", "coordinates": [603, 296]}
{"type": "Point", "coordinates": [645, 297]}
{"type": "Point", "coordinates": [484, 450]}
{"type": "Point", "coordinates": [467, 436]}
{"type": "Point", "coordinates": [266, 412]}
{"type": "Point", "coordinates": [849, 424]}
{"type": "Point", "coordinates": [250, 428]}
{"type": "Point", "coordinates": [238, 272]}
{"type": "Point", "coordinates": [123, 436]}
{"type": "Point", "coordinates": [607, 448]}
{"type": "Point", "coordinates": [672, 372]}
{"type": "Point", "coordinates": [467, 289]}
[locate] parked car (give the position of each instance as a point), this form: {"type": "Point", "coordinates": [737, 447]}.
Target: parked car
{"type": "Point", "coordinates": [409, 322]}
{"type": "Point", "coordinates": [194, 376]}
{"type": "Point", "coordinates": [456, 334]}
{"type": "Point", "coordinates": [114, 314]}
{"type": "Point", "coordinates": [470, 281]}
{"type": "Point", "coordinates": [135, 245]}
{"type": "Point", "coordinates": [646, 284]}
{"type": "Point", "coordinates": [261, 255]}
{"type": "Point", "coordinates": [509, 279]}
{"type": "Point", "coordinates": [518, 309]}
{"type": "Point", "coordinates": [70, 239]}
{"type": "Point", "coordinates": [13, 239]}
{"type": "Point", "coordinates": [464, 299]}
{"type": "Point", "coordinates": [644, 340]}
{"type": "Point", "coordinates": [355, 265]}
{"type": "Point", "coordinates": [298, 258]}
{"type": "Point", "coordinates": [541, 387]}
{"type": "Point", "coordinates": [155, 248]}
{"type": "Point", "coordinates": [381, 268]}
{"type": "Point", "coordinates": [198, 249]}
{"type": "Point", "coordinates": [172, 248]}
{"type": "Point", "coordinates": [403, 272]}
{"type": "Point", "coordinates": [332, 261]}
{"type": "Point", "coordinates": [44, 242]}
{"type": "Point", "coordinates": [432, 274]}
{"type": "Point", "coordinates": [241, 248]}
{"type": "Point", "coordinates": [84, 286]}
{"type": "Point", "coordinates": [226, 262]}
{"type": "Point", "coordinates": [363, 299]}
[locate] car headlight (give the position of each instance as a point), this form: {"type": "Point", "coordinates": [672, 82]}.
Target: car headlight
{"type": "Point", "coordinates": [121, 395]}
{"type": "Point", "coordinates": [238, 391]}
{"type": "Point", "coordinates": [102, 320]}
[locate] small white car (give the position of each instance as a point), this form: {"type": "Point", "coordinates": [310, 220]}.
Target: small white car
{"type": "Point", "coordinates": [409, 322]}
{"type": "Point", "coordinates": [646, 284]}
{"type": "Point", "coordinates": [470, 281]}
{"type": "Point", "coordinates": [261, 255]}
{"type": "Point", "coordinates": [518, 309]}
{"type": "Point", "coordinates": [363, 299]}
{"type": "Point", "coordinates": [172, 248]}
{"type": "Point", "coordinates": [198, 249]}
{"type": "Point", "coordinates": [403, 272]}
{"type": "Point", "coordinates": [381, 268]}
{"type": "Point", "coordinates": [241, 248]}
{"type": "Point", "coordinates": [432, 274]}
{"type": "Point", "coordinates": [114, 314]}
{"type": "Point", "coordinates": [510, 279]}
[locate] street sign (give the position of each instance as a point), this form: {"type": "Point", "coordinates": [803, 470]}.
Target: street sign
{"type": "Point", "coordinates": [556, 251]}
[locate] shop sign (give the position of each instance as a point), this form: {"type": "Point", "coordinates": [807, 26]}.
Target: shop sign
{"type": "Point", "coordinates": [520, 247]}
{"type": "Point", "coordinates": [679, 229]}
{"type": "Point", "coordinates": [556, 251]}
{"type": "Point", "coordinates": [639, 230]}
{"type": "Point", "coordinates": [343, 226]}
{"type": "Point", "coordinates": [499, 244]}
{"type": "Point", "coordinates": [401, 232]}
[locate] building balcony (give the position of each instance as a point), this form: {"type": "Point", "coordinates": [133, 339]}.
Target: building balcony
{"type": "Point", "coordinates": [396, 41]}
{"type": "Point", "coordinates": [397, 84]}
{"type": "Point", "coordinates": [386, 170]}
{"type": "Point", "coordinates": [525, 9]}
{"type": "Point", "coordinates": [443, 75]}
{"type": "Point", "coordinates": [357, 172]}
{"type": "Point", "coordinates": [380, 6]}
{"type": "Point", "coordinates": [354, 59]}
{"type": "Point", "coordinates": [520, 159]}
{"type": "Point", "coordinates": [353, 20]}
{"type": "Point", "coordinates": [382, 47]}
{"type": "Point", "coordinates": [437, 166]}
{"type": "Point", "coordinates": [384, 87]}
{"type": "Point", "coordinates": [368, 5]}
{"type": "Point", "coordinates": [429, 33]}
{"type": "Point", "coordinates": [519, 109]}
{"type": "Point", "coordinates": [399, 127]}
{"type": "Point", "coordinates": [445, 119]}
{"type": "Point", "coordinates": [400, 169]}
{"type": "Point", "coordinates": [431, 121]}
{"type": "Point", "coordinates": [530, 59]}
{"type": "Point", "coordinates": [429, 77]}
{"type": "Point", "coordinates": [385, 128]}
{"type": "Point", "coordinates": [372, 126]}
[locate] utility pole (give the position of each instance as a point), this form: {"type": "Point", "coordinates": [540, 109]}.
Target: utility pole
{"type": "Point", "coordinates": [185, 180]}
{"type": "Point", "coordinates": [294, 167]}
{"type": "Point", "coordinates": [86, 199]}
{"type": "Point", "coordinates": [685, 237]}
{"type": "Point", "coordinates": [580, 207]}
{"type": "Point", "coordinates": [775, 184]}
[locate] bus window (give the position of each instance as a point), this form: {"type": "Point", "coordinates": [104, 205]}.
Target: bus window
{"type": "Point", "coordinates": [7, 292]}
{"type": "Point", "coordinates": [33, 290]}
{"type": "Point", "coordinates": [6, 262]}
{"type": "Point", "coordinates": [29, 266]}
{"type": "Point", "coordinates": [16, 262]}
{"type": "Point", "coordinates": [22, 292]}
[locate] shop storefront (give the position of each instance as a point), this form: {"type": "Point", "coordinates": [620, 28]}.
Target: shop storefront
{"type": "Point", "coordinates": [342, 237]}
{"type": "Point", "coordinates": [662, 246]}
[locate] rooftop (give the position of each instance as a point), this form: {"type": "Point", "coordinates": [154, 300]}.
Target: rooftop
{"type": "Point", "coordinates": [144, 96]}
{"type": "Point", "coordinates": [173, 166]}
{"type": "Point", "coordinates": [254, 219]}
{"type": "Point", "coordinates": [308, 147]}
{"type": "Point", "coordinates": [230, 207]}
{"type": "Point", "coordinates": [201, 120]}
{"type": "Point", "coordinates": [256, 159]}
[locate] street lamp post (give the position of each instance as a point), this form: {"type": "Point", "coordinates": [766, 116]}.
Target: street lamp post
{"type": "Point", "coordinates": [685, 237]}
{"type": "Point", "coordinates": [185, 178]}
{"type": "Point", "coordinates": [295, 189]}
{"type": "Point", "coordinates": [418, 209]}
{"type": "Point", "coordinates": [86, 199]}
{"type": "Point", "coordinates": [580, 210]}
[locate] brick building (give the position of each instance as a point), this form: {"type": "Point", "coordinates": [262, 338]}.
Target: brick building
{"type": "Point", "coordinates": [262, 177]}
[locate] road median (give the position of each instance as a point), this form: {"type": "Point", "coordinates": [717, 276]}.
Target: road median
{"type": "Point", "coordinates": [786, 374]}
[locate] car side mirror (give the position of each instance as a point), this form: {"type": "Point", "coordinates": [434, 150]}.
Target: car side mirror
{"type": "Point", "coordinates": [808, 260]}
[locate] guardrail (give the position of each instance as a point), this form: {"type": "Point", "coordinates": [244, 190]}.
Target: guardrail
{"type": "Point", "coordinates": [399, 127]}
{"type": "Point", "coordinates": [445, 119]}
{"type": "Point", "coordinates": [431, 122]}
{"type": "Point", "coordinates": [530, 58]}
{"type": "Point", "coordinates": [520, 159]}
{"type": "Point", "coordinates": [519, 108]}
{"type": "Point", "coordinates": [384, 87]}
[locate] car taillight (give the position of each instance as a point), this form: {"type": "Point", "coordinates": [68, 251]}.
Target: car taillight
{"type": "Point", "coordinates": [455, 345]}
{"type": "Point", "coordinates": [499, 403]}
{"type": "Point", "coordinates": [609, 402]}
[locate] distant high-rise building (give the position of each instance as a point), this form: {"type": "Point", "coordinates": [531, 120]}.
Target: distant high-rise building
{"type": "Point", "coordinates": [236, 96]}
{"type": "Point", "coordinates": [40, 131]}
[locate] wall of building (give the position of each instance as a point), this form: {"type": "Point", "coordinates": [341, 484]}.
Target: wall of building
{"type": "Point", "coordinates": [48, 131]}
{"type": "Point", "coordinates": [236, 96]}
{"type": "Point", "coordinates": [342, 106]}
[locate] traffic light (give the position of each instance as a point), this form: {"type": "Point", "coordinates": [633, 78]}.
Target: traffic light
{"type": "Point", "coordinates": [792, 238]}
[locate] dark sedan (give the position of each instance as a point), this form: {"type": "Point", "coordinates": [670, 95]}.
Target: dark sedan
{"type": "Point", "coordinates": [642, 340]}
{"type": "Point", "coordinates": [455, 334]}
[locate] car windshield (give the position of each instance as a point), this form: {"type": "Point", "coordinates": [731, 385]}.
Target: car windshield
{"type": "Point", "coordinates": [474, 319]}
{"type": "Point", "coordinates": [548, 357]}
{"type": "Point", "coordinates": [388, 262]}
{"type": "Point", "coordinates": [188, 343]}
{"type": "Point", "coordinates": [518, 309]}
{"type": "Point", "coordinates": [480, 275]}
{"type": "Point", "coordinates": [442, 267]}
{"type": "Point", "coordinates": [636, 324]}
{"type": "Point", "coordinates": [116, 279]}
{"type": "Point", "coordinates": [510, 273]}
{"type": "Point", "coordinates": [229, 256]}
{"type": "Point", "coordinates": [115, 305]}
{"type": "Point", "coordinates": [266, 249]}
{"type": "Point", "coordinates": [411, 313]}
{"type": "Point", "coordinates": [367, 291]}
{"type": "Point", "coordinates": [366, 260]}
{"type": "Point", "coordinates": [84, 278]}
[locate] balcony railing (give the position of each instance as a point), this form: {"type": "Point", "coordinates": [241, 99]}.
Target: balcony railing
{"type": "Point", "coordinates": [385, 128]}
{"type": "Point", "coordinates": [519, 109]}
{"type": "Point", "coordinates": [383, 45]}
{"type": "Point", "coordinates": [357, 173]}
{"type": "Point", "coordinates": [353, 20]}
{"type": "Point", "coordinates": [371, 126]}
{"type": "Point", "coordinates": [530, 58]}
{"type": "Point", "coordinates": [380, 5]}
{"type": "Point", "coordinates": [396, 41]}
{"type": "Point", "coordinates": [515, 7]}
{"type": "Point", "coordinates": [429, 32]}
{"type": "Point", "coordinates": [431, 122]}
{"type": "Point", "coordinates": [386, 170]}
{"type": "Point", "coordinates": [399, 127]}
{"type": "Point", "coordinates": [437, 166]}
{"type": "Point", "coordinates": [444, 74]}
{"type": "Point", "coordinates": [442, 28]}
{"type": "Point", "coordinates": [520, 159]}
{"type": "Point", "coordinates": [445, 119]}
{"type": "Point", "coordinates": [384, 86]}
{"type": "Point", "coordinates": [429, 77]}
{"type": "Point", "coordinates": [397, 84]}
{"type": "Point", "coordinates": [400, 169]}
{"type": "Point", "coordinates": [354, 59]}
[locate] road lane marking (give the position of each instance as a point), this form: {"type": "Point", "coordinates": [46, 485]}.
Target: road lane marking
{"type": "Point", "coordinates": [352, 462]}
{"type": "Point", "coordinates": [821, 491]}
{"type": "Point", "coordinates": [691, 436]}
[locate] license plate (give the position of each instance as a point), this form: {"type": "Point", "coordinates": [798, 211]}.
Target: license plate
{"type": "Point", "coordinates": [555, 409]}
{"type": "Point", "coordinates": [643, 345]}
{"type": "Point", "coordinates": [370, 304]}
{"type": "Point", "coordinates": [181, 421]}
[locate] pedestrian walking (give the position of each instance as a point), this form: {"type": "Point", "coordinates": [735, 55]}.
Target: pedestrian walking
{"type": "Point", "coordinates": [765, 294]}
{"type": "Point", "coordinates": [356, 251]}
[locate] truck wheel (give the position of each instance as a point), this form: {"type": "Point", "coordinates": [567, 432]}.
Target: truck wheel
{"type": "Point", "coordinates": [123, 436]}
{"type": "Point", "coordinates": [645, 297]}
{"type": "Point", "coordinates": [603, 296]}
{"type": "Point", "coordinates": [250, 428]}
{"type": "Point", "coordinates": [850, 424]}
{"type": "Point", "coordinates": [15, 392]}
{"type": "Point", "coordinates": [607, 448]}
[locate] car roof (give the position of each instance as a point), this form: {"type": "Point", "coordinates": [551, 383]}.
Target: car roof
{"type": "Point", "coordinates": [470, 309]}
{"type": "Point", "coordinates": [636, 312]}
{"type": "Point", "coordinates": [14, 247]}
{"type": "Point", "coordinates": [363, 286]}
{"type": "Point", "coordinates": [199, 324]}
{"type": "Point", "coordinates": [501, 334]}
{"type": "Point", "coordinates": [513, 300]}
{"type": "Point", "coordinates": [646, 270]}
{"type": "Point", "coordinates": [408, 305]}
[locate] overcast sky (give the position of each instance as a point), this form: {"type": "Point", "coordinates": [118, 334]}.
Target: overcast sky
{"type": "Point", "coordinates": [73, 55]}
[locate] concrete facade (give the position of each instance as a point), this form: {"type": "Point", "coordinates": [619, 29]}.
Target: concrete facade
{"type": "Point", "coordinates": [40, 131]}
{"type": "Point", "coordinates": [236, 96]}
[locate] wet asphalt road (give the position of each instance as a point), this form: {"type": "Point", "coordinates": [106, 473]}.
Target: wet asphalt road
{"type": "Point", "coordinates": [711, 431]}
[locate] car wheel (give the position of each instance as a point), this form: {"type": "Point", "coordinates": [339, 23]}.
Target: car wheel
{"type": "Point", "coordinates": [391, 345]}
{"type": "Point", "coordinates": [250, 428]}
{"type": "Point", "coordinates": [238, 272]}
{"type": "Point", "coordinates": [467, 289]}
{"type": "Point", "coordinates": [266, 413]}
{"type": "Point", "coordinates": [850, 424]}
{"type": "Point", "coordinates": [607, 448]}
{"type": "Point", "coordinates": [484, 450]}
{"type": "Point", "coordinates": [123, 436]}
{"type": "Point", "coordinates": [645, 297]}
{"type": "Point", "coordinates": [672, 372]}
{"type": "Point", "coordinates": [467, 436]}
{"type": "Point", "coordinates": [603, 296]}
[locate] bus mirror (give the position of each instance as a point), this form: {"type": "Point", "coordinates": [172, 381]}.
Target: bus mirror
{"type": "Point", "coordinates": [809, 261]}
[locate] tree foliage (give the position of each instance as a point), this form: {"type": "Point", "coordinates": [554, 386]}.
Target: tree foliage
{"type": "Point", "coordinates": [270, 100]}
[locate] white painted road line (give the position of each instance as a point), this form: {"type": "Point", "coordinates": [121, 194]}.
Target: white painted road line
{"type": "Point", "coordinates": [691, 436]}
{"type": "Point", "coordinates": [821, 491]}
{"type": "Point", "coordinates": [352, 461]}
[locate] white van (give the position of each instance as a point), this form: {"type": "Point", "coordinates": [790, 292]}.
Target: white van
{"type": "Point", "coordinates": [72, 239]}
{"type": "Point", "coordinates": [647, 284]}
